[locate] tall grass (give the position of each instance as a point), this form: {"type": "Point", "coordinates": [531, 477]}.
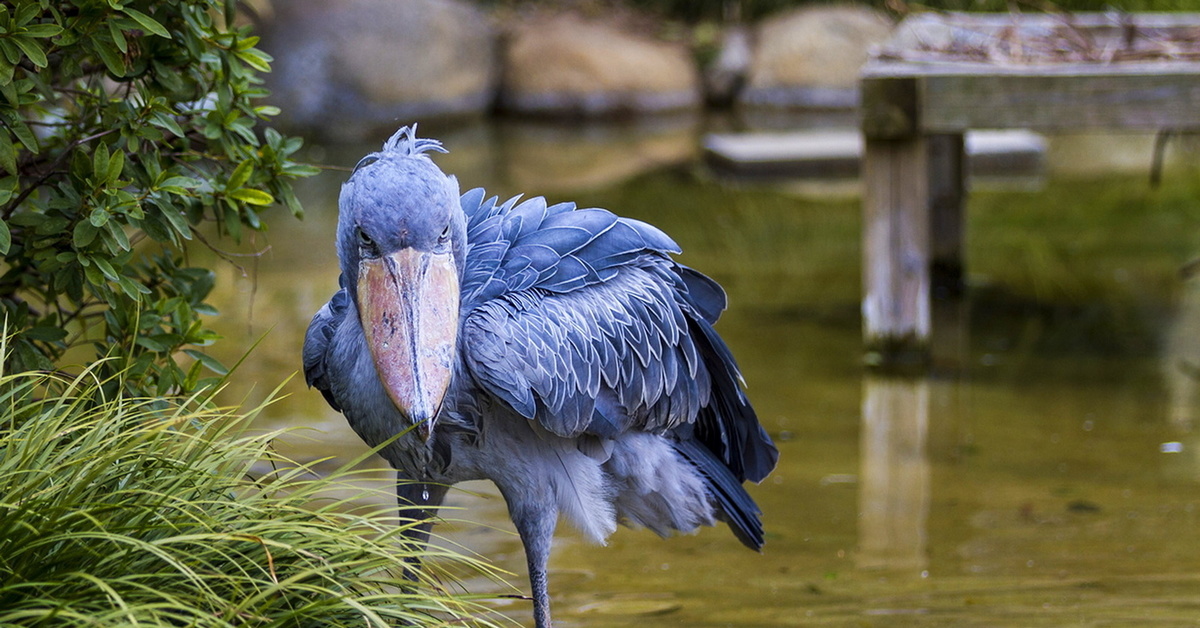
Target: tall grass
{"type": "Point", "coordinates": [145, 512]}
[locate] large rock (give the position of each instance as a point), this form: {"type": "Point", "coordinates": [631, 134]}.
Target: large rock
{"type": "Point", "coordinates": [344, 69]}
{"type": "Point", "coordinates": [810, 57]}
{"type": "Point", "coordinates": [567, 66]}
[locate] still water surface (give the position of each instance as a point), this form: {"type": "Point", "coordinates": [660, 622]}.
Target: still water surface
{"type": "Point", "coordinates": [1051, 479]}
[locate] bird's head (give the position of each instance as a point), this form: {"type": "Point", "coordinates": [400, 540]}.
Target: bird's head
{"type": "Point", "coordinates": [401, 243]}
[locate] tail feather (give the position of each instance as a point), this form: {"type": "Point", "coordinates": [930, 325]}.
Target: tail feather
{"type": "Point", "coordinates": [728, 426]}
{"type": "Point", "coordinates": [734, 504]}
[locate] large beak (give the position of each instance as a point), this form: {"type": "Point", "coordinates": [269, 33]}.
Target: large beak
{"type": "Point", "coordinates": [408, 303]}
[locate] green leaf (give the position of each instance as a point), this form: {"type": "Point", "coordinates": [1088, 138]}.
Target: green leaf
{"type": "Point", "coordinates": [116, 163]}
{"type": "Point", "coordinates": [109, 54]}
{"type": "Point", "coordinates": [21, 130]}
{"type": "Point", "coordinates": [180, 182]}
{"type": "Point", "coordinates": [26, 12]}
{"type": "Point", "coordinates": [131, 288]}
{"type": "Point", "coordinates": [5, 238]}
{"type": "Point", "coordinates": [166, 121]}
{"type": "Point", "coordinates": [8, 153]}
{"type": "Point", "coordinates": [208, 361]}
{"type": "Point", "coordinates": [7, 68]}
{"type": "Point", "coordinates": [241, 174]}
{"type": "Point", "coordinates": [252, 196]}
{"type": "Point", "coordinates": [84, 233]}
{"type": "Point", "coordinates": [46, 333]}
{"type": "Point", "coordinates": [94, 276]}
{"type": "Point", "coordinates": [177, 221]}
{"type": "Point", "coordinates": [118, 37]}
{"type": "Point", "coordinates": [255, 58]}
{"type": "Point", "coordinates": [42, 30]}
{"type": "Point", "coordinates": [118, 234]}
{"type": "Point", "coordinates": [151, 344]}
{"type": "Point", "coordinates": [105, 267]}
{"type": "Point", "coordinates": [147, 22]}
{"type": "Point", "coordinates": [98, 217]}
{"type": "Point", "coordinates": [32, 49]}
{"type": "Point", "coordinates": [100, 163]}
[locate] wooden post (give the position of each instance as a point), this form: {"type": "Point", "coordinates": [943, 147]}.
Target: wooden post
{"type": "Point", "coordinates": [896, 223]}
{"type": "Point", "coordinates": [896, 250]}
{"type": "Point", "coordinates": [916, 105]}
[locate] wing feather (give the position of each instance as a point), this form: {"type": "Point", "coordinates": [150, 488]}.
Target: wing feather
{"type": "Point", "coordinates": [316, 344]}
{"type": "Point", "coordinates": [581, 321]}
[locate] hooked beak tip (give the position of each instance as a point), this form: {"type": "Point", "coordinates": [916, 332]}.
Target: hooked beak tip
{"type": "Point", "coordinates": [425, 430]}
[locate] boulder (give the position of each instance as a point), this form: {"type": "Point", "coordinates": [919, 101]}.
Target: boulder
{"type": "Point", "coordinates": [566, 65]}
{"type": "Point", "coordinates": [810, 57]}
{"type": "Point", "coordinates": [346, 69]}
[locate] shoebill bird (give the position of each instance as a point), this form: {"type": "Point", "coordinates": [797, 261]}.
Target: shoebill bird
{"type": "Point", "coordinates": [559, 352]}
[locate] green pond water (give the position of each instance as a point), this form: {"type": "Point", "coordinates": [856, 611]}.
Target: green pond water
{"type": "Point", "coordinates": [1051, 478]}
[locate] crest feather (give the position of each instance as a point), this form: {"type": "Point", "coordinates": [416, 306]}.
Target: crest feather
{"type": "Point", "coordinates": [406, 142]}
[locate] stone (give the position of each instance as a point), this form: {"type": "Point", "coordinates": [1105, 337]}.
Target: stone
{"type": "Point", "coordinates": [810, 57]}
{"type": "Point", "coordinates": [565, 65]}
{"type": "Point", "coordinates": [351, 69]}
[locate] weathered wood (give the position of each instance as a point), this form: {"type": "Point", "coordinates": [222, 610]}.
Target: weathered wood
{"type": "Point", "coordinates": [960, 96]}
{"type": "Point", "coordinates": [1024, 39]}
{"type": "Point", "coordinates": [896, 248]}
{"type": "Point", "coordinates": [994, 22]}
{"type": "Point", "coordinates": [889, 108]}
{"type": "Point", "coordinates": [920, 96]}
{"type": "Point", "coordinates": [1146, 102]}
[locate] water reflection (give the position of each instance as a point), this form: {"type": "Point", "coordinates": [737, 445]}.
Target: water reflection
{"type": "Point", "coordinates": [1029, 488]}
{"type": "Point", "coordinates": [894, 483]}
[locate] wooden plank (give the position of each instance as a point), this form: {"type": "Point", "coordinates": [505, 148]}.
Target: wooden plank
{"type": "Point", "coordinates": [896, 250]}
{"type": "Point", "coordinates": [953, 103]}
{"type": "Point", "coordinates": [1033, 38]}
{"type": "Point", "coordinates": [1085, 20]}
{"type": "Point", "coordinates": [838, 152]}
{"type": "Point", "coordinates": [879, 69]}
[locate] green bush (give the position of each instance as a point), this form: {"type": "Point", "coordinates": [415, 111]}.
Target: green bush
{"type": "Point", "coordinates": [127, 127]}
{"type": "Point", "coordinates": [121, 512]}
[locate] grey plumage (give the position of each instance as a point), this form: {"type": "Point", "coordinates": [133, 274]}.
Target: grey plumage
{"type": "Point", "coordinates": [582, 374]}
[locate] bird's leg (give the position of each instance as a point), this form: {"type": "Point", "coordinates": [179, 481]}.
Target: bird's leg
{"type": "Point", "coordinates": [535, 523]}
{"type": "Point", "coordinates": [420, 501]}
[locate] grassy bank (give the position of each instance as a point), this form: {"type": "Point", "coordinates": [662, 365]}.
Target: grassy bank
{"type": "Point", "coordinates": [148, 512]}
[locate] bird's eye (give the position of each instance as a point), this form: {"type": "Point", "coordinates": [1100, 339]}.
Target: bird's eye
{"type": "Point", "coordinates": [445, 234]}
{"type": "Point", "coordinates": [365, 240]}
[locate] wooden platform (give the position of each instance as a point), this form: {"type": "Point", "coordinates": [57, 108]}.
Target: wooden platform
{"type": "Point", "coordinates": [944, 74]}
{"type": "Point", "coordinates": [838, 152]}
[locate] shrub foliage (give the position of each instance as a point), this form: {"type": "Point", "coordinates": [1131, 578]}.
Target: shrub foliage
{"type": "Point", "coordinates": [126, 128]}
